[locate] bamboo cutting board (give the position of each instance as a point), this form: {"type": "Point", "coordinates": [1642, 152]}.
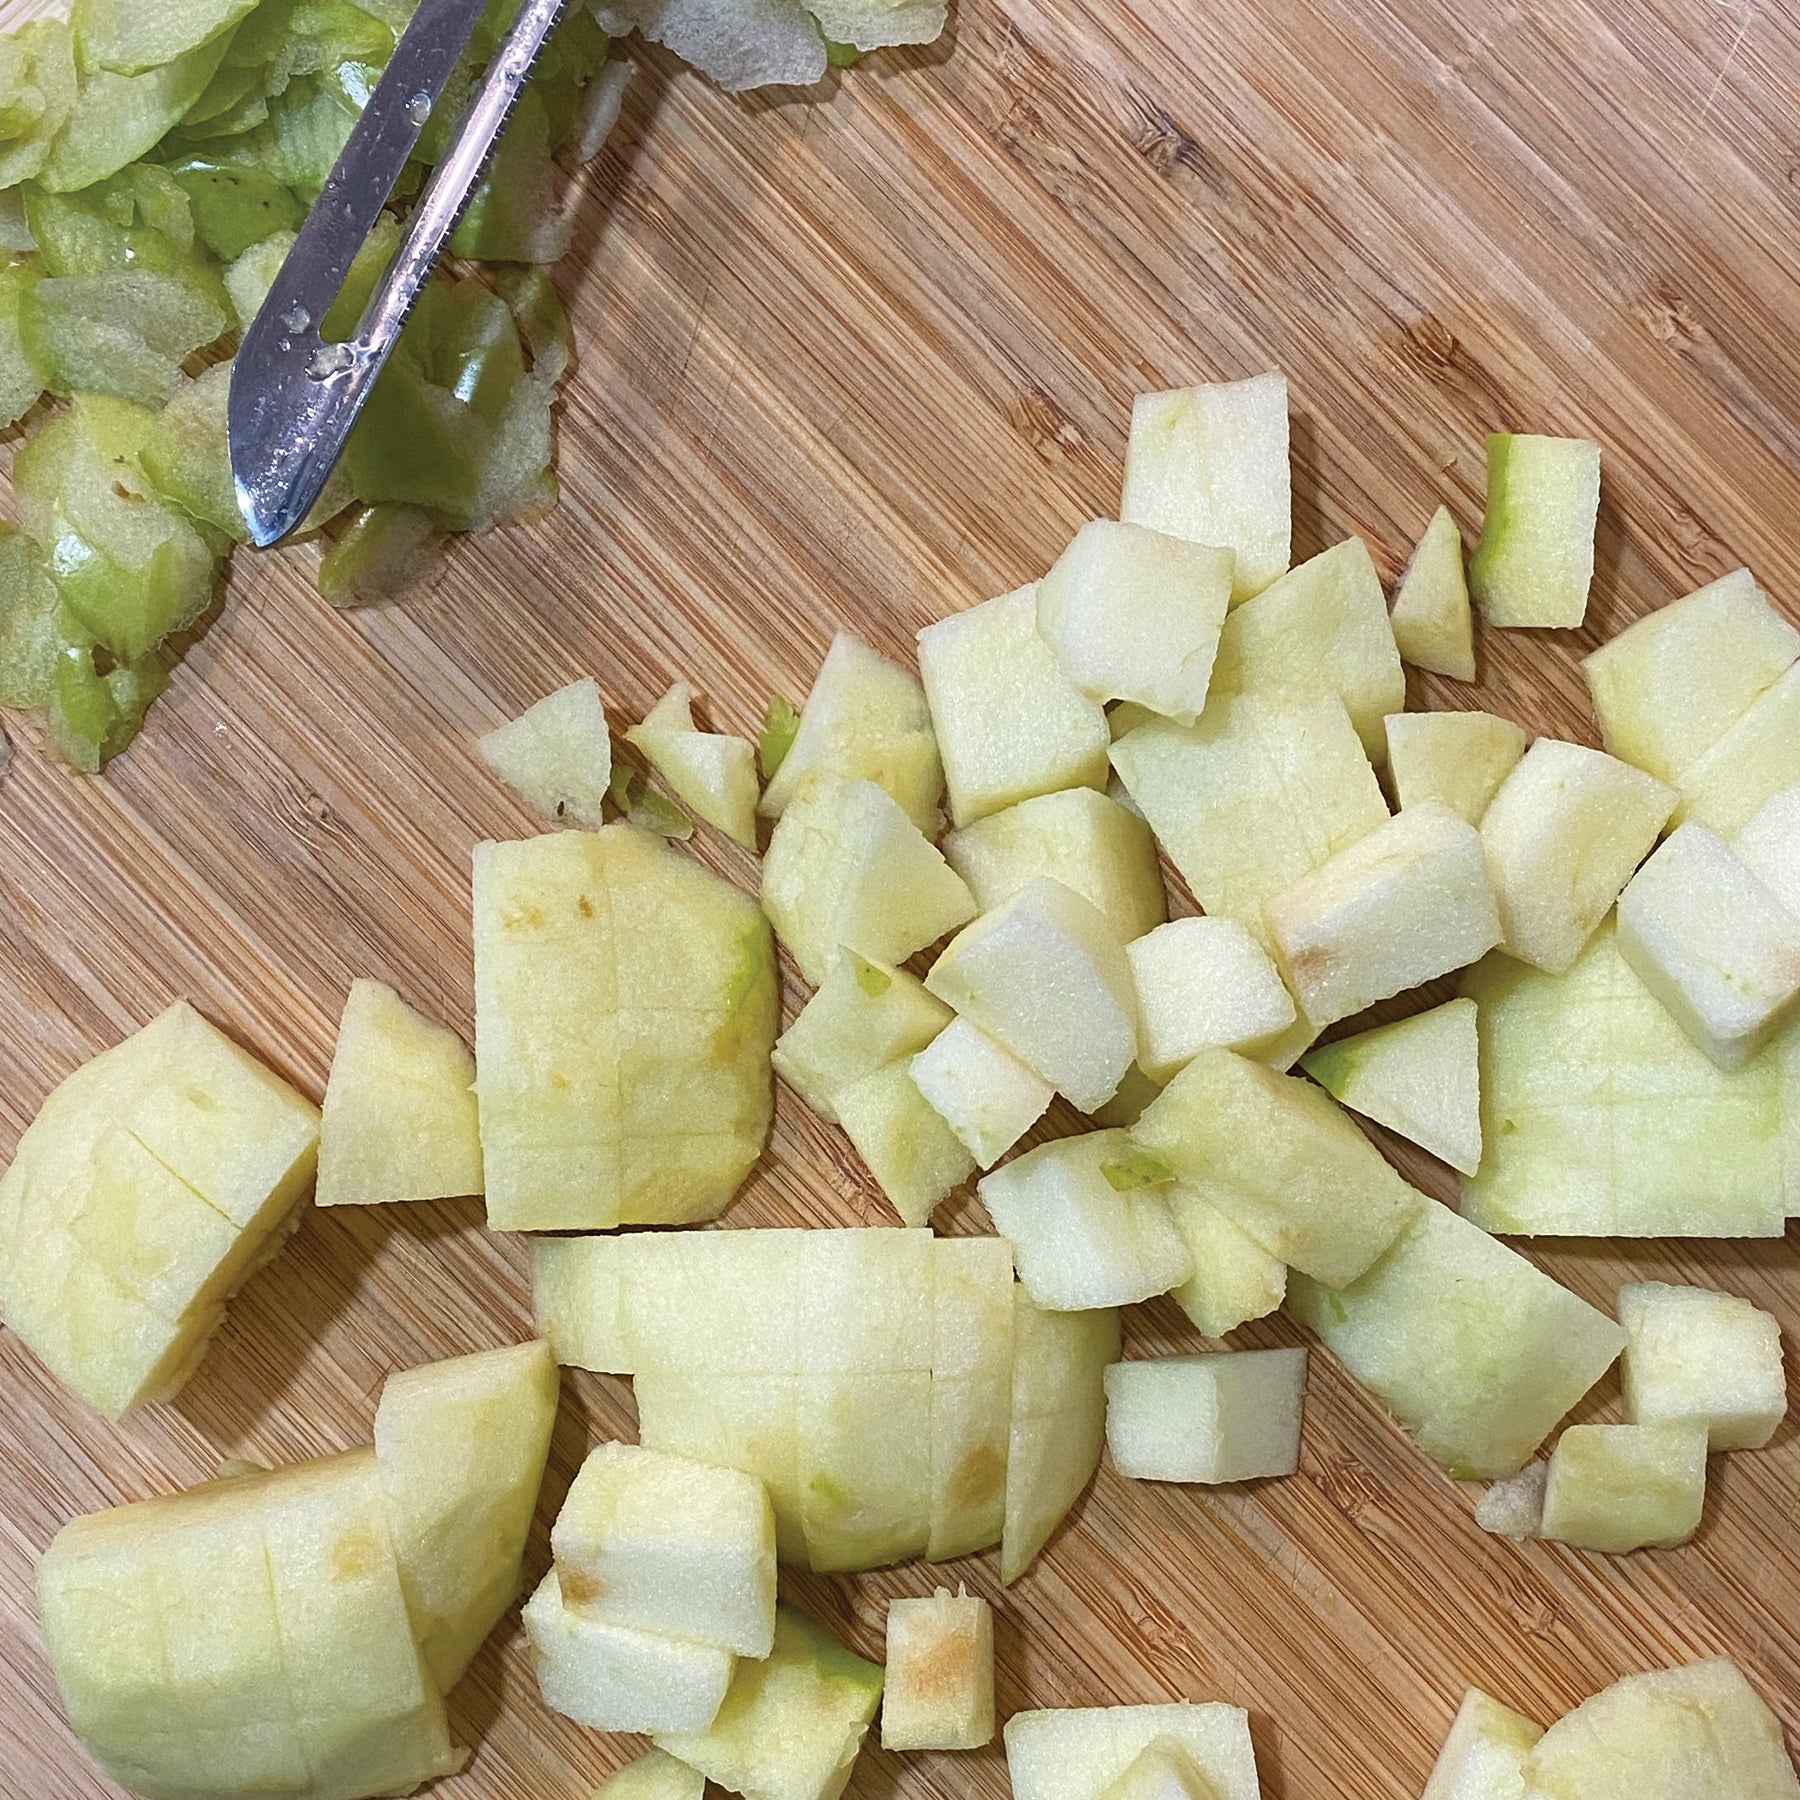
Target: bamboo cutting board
{"type": "Point", "coordinates": [857, 358]}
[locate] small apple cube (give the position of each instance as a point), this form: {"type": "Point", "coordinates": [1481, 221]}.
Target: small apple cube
{"type": "Point", "coordinates": [1235, 1279]}
{"type": "Point", "coordinates": [1046, 975]}
{"type": "Point", "coordinates": [557, 754]}
{"type": "Point", "coordinates": [1535, 561]}
{"type": "Point", "coordinates": [1432, 625]}
{"type": "Point", "coordinates": [912, 1150]}
{"type": "Point", "coordinates": [971, 1393]}
{"type": "Point", "coordinates": [1694, 1356]}
{"type": "Point", "coordinates": [1562, 836]}
{"type": "Point", "coordinates": [1321, 629]}
{"type": "Point", "coordinates": [1460, 758]}
{"type": "Point", "coordinates": [1473, 1349]}
{"type": "Point", "coordinates": [1514, 1507]}
{"type": "Point", "coordinates": [611, 1678]}
{"type": "Point", "coordinates": [1009, 722]}
{"type": "Point", "coordinates": [1419, 1076]}
{"type": "Point", "coordinates": [1230, 1416]}
{"type": "Point", "coordinates": [791, 1726]}
{"type": "Point", "coordinates": [655, 1775]}
{"type": "Point", "coordinates": [1770, 846]}
{"type": "Point", "coordinates": [1162, 1770]}
{"type": "Point", "coordinates": [400, 1120]}
{"type": "Point", "coordinates": [940, 1674]}
{"type": "Point", "coordinates": [1668, 687]}
{"type": "Point", "coordinates": [1409, 902]}
{"type": "Point", "coordinates": [461, 1447]}
{"type": "Point", "coordinates": [709, 772]}
{"type": "Point", "coordinates": [1077, 1753]}
{"type": "Point", "coordinates": [664, 1544]}
{"type": "Point", "coordinates": [1712, 944]}
{"type": "Point", "coordinates": [1210, 464]}
{"type": "Point", "coordinates": [1091, 844]}
{"type": "Point", "coordinates": [1263, 788]}
{"type": "Point", "coordinates": [1058, 1420]}
{"type": "Point", "coordinates": [866, 720]}
{"type": "Point", "coordinates": [1282, 1161]}
{"type": "Point", "coordinates": [1483, 1758]}
{"type": "Point", "coordinates": [1086, 1227]}
{"type": "Point", "coordinates": [1617, 1488]}
{"type": "Point", "coordinates": [1756, 758]}
{"type": "Point", "coordinates": [1204, 984]}
{"type": "Point", "coordinates": [1134, 614]}
{"type": "Point", "coordinates": [847, 869]}
{"type": "Point", "coordinates": [980, 1089]}
{"type": "Point", "coordinates": [864, 1016]}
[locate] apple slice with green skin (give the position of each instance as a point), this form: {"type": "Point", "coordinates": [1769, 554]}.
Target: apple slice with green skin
{"type": "Point", "coordinates": [1696, 1730]}
{"type": "Point", "coordinates": [1088, 842]}
{"type": "Point", "coordinates": [1233, 1415]}
{"type": "Point", "coordinates": [1758, 757]}
{"type": "Point", "coordinates": [987, 1097]}
{"type": "Point", "coordinates": [1010, 724]}
{"type": "Point", "coordinates": [1134, 614]}
{"type": "Point", "coordinates": [1483, 1758]}
{"type": "Point", "coordinates": [846, 869]}
{"type": "Point", "coordinates": [557, 754]}
{"type": "Point", "coordinates": [1419, 1076]}
{"type": "Point", "coordinates": [1770, 846]}
{"type": "Point", "coordinates": [1695, 1356]}
{"type": "Point", "coordinates": [1204, 984]}
{"type": "Point", "coordinates": [866, 720]}
{"type": "Point", "coordinates": [1162, 1770]}
{"type": "Point", "coordinates": [791, 1726]}
{"type": "Point", "coordinates": [1535, 561]}
{"type": "Point", "coordinates": [710, 772]}
{"type": "Point", "coordinates": [1670, 685]}
{"type": "Point", "coordinates": [939, 1693]}
{"type": "Point", "coordinates": [656, 1775]}
{"type": "Point", "coordinates": [910, 1148]}
{"type": "Point", "coordinates": [971, 1393]}
{"type": "Point", "coordinates": [1210, 464]}
{"type": "Point", "coordinates": [1235, 1279]}
{"type": "Point", "coordinates": [1433, 628]}
{"type": "Point", "coordinates": [400, 1119]}
{"type": "Point", "coordinates": [1460, 758]}
{"type": "Point", "coordinates": [1562, 837]}
{"type": "Point", "coordinates": [1473, 1349]}
{"type": "Point", "coordinates": [461, 1446]}
{"type": "Point", "coordinates": [1077, 1753]}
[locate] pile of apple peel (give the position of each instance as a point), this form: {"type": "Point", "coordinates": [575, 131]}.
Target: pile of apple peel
{"type": "Point", "coordinates": [1622, 1059]}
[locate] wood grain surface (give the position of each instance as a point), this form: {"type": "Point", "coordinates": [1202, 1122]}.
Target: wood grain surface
{"type": "Point", "coordinates": [858, 357]}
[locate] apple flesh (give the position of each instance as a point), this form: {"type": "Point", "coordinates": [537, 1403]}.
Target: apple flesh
{"type": "Point", "coordinates": [971, 1393]}
{"type": "Point", "coordinates": [1204, 984]}
{"type": "Point", "coordinates": [1754, 760]}
{"type": "Point", "coordinates": [1077, 1753]}
{"type": "Point", "coordinates": [1770, 846]}
{"type": "Point", "coordinates": [1535, 561]}
{"type": "Point", "coordinates": [556, 755]}
{"type": "Point", "coordinates": [1230, 1416]}
{"type": "Point", "coordinates": [1162, 1770]}
{"type": "Point", "coordinates": [1235, 1279]}
{"type": "Point", "coordinates": [1483, 1758]}
{"type": "Point", "coordinates": [1694, 1356]}
{"type": "Point", "coordinates": [915, 1154]}
{"type": "Point", "coordinates": [939, 1692]}
{"type": "Point", "coordinates": [980, 1089]}
{"type": "Point", "coordinates": [1460, 758]}
{"type": "Point", "coordinates": [1432, 625]}
{"type": "Point", "coordinates": [1618, 1488]}
{"type": "Point", "coordinates": [656, 1775]}
{"type": "Point", "coordinates": [710, 772]}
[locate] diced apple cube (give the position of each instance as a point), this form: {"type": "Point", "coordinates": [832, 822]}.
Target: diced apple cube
{"type": "Point", "coordinates": [611, 1678]}
{"type": "Point", "coordinates": [1230, 1416]}
{"type": "Point", "coordinates": [1047, 976]}
{"type": "Point", "coordinates": [1085, 1230]}
{"type": "Point", "coordinates": [1695, 1356]}
{"type": "Point", "coordinates": [1759, 756]}
{"type": "Point", "coordinates": [1210, 464]}
{"type": "Point", "coordinates": [1483, 1758]}
{"type": "Point", "coordinates": [1077, 1753]}
{"type": "Point", "coordinates": [1009, 722]}
{"type": "Point", "coordinates": [865, 1016]}
{"type": "Point", "coordinates": [1770, 846]}
{"type": "Point", "coordinates": [1712, 944]}
{"type": "Point", "coordinates": [1617, 1488]}
{"type": "Point", "coordinates": [461, 1447]}
{"type": "Point", "coordinates": [940, 1674]}
{"type": "Point", "coordinates": [1562, 836]}
{"type": "Point", "coordinates": [980, 1089]}
{"type": "Point", "coordinates": [1473, 1349]}
{"type": "Point", "coordinates": [910, 1147]}
{"type": "Point", "coordinates": [866, 720]}
{"type": "Point", "coordinates": [1668, 687]}
{"type": "Point", "coordinates": [1058, 1421]}
{"type": "Point", "coordinates": [1091, 844]}
{"type": "Point", "coordinates": [557, 754]}
{"type": "Point", "coordinates": [1460, 758]}
{"type": "Point", "coordinates": [1321, 629]}
{"type": "Point", "coordinates": [971, 1393]}
{"type": "Point", "coordinates": [1235, 1279]}
{"type": "Point", "coordinates": [1204, 984]}
{"type": "Point", "coordinates": [1134, 614]}
{"type": "Point", "coordinates": [1409, 902]}
{"type": "Point", "coordinates": [1162, 1770]}
{"type": "Point", "coordinates": [665, 1544]}
{"type": "Point", "coordinates": [1263, 788]}
{"type": "Point", "coordinates": [1535, 561]}
{"type": "Point", "coordinates": [1419, 1076]}
{"type": "Point", "coordinates": [655, 1775]}
{"type": "Point", "coordinates": [791, 1726]}
{"type": "Point", "coordinates": [1281, 1161]}
{"type": "Point", "coordinates": [400, 1119]}
{"type": "Point", "coordinates": [710, 772]}
{"type": "Point", "coordinates": [1432, 625]}
{"type": "Point", "coordinates": [1514, 1507]}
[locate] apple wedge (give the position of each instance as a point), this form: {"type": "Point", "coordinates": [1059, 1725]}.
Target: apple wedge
{"type": "Point", "coordinates": [1432, 625]}
{"type": "Point", "coordinates": [1460, 758]}
{"type": "Point", "coordinates": [556, 755]}
{"type": "Point", "coordinates": [1235, 1279]}
{"type": "Point", "coordinates": [1483, 1758]}
{"type": "Point", "coordinates": [1535, 561]}
{"type": "Point", "coordinates": [710, 772]}
{"type": "Point", "coordinates": [912, 1150]}
{"type": "Point", "coordinates": [980, 1090]}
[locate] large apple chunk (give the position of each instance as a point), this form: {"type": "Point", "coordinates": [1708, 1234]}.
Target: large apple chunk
{"type": "Point", "coordinates": [1210, 464]}
{"type": "Point", "coordinates": [1204, 984]}
{"type": "Point", "coordinates": [940, 1674]}
{"type": "Point", "coordinates": [1695, 1356]}
{"type": "Point", "coordinates": [1460, 758]}
{"type": "Point", "coordinates": [1230, 1416]}
{"type": "Point", "coordinates": [1483, 1758]}
{"type": "Point", "coordinates": [400, 1119]}
{"type": "Point", "coordinates": [625, 1006]}
{"type": "Point", "coordinates": [1473, 1349]}
{"type": "Point", "coordinates": [1432, 625]}
{"type": "Point", "coordinates": [980, 1089]}
{"type": "Point", "coordinates": [557, 754]}
{"type": "Point", "coordinates": [154, 1181]}
{"type": "Point", "coordinates": [1009, 722]}
{"type": "Point", "coordinates": [1562, 837]}
{"type": "Point", "coordinates": [1079, 1752]}
{"type": "Point", "coordinates": [1756, 758]}
{"type": "Point", "coordinates": [1617, 1488]}
{"type": "Point", "coordinates": [710, 771]}
{"type": "Point", "coordinates": [1535, 561]}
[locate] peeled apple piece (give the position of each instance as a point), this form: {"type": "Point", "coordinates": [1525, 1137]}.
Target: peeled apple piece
{"type": "Point", "coordinates": [1618, 1488]}
{"type": "Point", "coordinates": [1770, 846]}
{"type": "Point", "coordinates": [1235, 1279]}
{"type": "Point", "coordinates": [1230, 1416]}
{"type": "Point", "coordinates": [655, 1775]}
{"type": "Point", "coordinates": [711, 772]}
{"type": "Point", "coordinates": [909, 1146]}
{"type": "Point", "coordinates": [1431, 620]}
{"type": "Point", "coordinates": [1755, 759]}
{"type": "Point", "coordinates": [1483, 1758]}
{"type": "Point", "coordinates": [1079, 1752]}
{"type": "Point", "coordinates": [557, 754]}
{"type": "Point", "coordinates": [1535, 560]}
{"type": "Point", "coordinates": [1460, 758]}
{"type": "Point", "coordinates": [980, 1089]}
{"type": "Point", "coordinates": [1700, 1357]}
{"type": "Point", "coordinates": [1204, 984]}
{"type": "Point", "coordinates": [939, 1690]}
